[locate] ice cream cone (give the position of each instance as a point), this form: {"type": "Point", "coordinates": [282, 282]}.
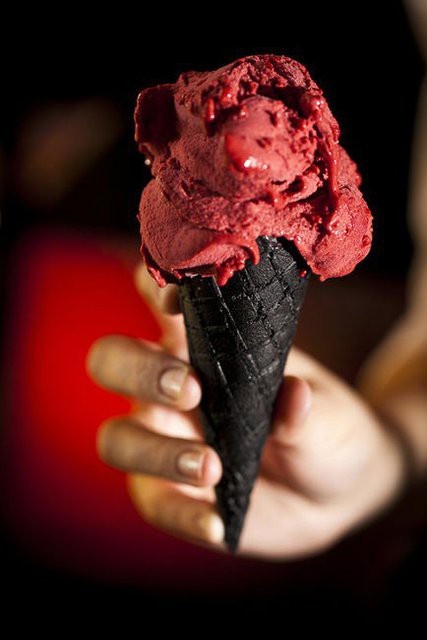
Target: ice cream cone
{"type": "Point", "coordinates": [239, 156]}
{"type": "Point", "coordinates": [239, 337]}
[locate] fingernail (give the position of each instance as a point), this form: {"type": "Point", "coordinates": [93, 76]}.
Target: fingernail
{"type": "Point", "coordinates": [172, 380]}
{"type": "Point", "coordinates": [190, 464]}
{"type": "Point", "coordinates": [211, 528]}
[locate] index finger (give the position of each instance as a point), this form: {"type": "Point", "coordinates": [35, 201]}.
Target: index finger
{"type": "Point", "coordinates": [164, 303]}
{"type": "Point", "coordinates": [162, 299]}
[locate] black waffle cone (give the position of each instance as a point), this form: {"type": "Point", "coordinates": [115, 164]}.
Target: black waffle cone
{"type": "Point", "coordinates": [239, 337]}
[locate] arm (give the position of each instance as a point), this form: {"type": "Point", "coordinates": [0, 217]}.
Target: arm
{"type": "Point", "coordinates": [395, 378]}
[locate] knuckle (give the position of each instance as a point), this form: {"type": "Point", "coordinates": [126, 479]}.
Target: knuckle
{"type": "Point", "coordinates": [103, 355]}
{"type": "Point", "coordinates": [146, 374]}
{"type": "Point", "coordinates": [160, 456]}
{"type": "Point", "coordinates": [104, 439]}
{"type": "Point", "coordinates": [95, 356]}
{"type": "Point", "coordinates": [118, 443]}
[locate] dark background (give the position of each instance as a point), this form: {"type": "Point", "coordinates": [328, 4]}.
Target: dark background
{"type": "Point", "coordinates": [370, 70]}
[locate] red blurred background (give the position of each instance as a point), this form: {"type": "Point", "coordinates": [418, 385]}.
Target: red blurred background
{"type": "Point", "coordinates": [70, 180]}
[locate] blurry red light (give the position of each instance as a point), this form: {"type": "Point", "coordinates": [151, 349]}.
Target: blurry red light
{"type": "Point", "coordinates": [67, 508]}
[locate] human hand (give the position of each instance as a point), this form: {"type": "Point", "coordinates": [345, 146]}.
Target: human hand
{"type": "Point", "coordinates": [329, 464]}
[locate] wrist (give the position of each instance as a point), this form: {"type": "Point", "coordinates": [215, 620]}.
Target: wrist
{"type": "Point", "coordinates": [406, 416]}
{"type": "Point", "coordinates": [384, 479]}
{"type": "Point", "coordinates": [393, 466]}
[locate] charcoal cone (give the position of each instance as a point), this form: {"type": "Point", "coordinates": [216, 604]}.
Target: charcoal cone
{"type": "Point", "coordinates": [239, 337]}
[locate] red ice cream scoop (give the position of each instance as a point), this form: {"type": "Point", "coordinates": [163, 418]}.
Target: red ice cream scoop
{"type": "Point", "coordinates": [249, 150]}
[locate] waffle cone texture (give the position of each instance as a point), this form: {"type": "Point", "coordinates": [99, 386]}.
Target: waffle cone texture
{"type": "Point", "coordinates": [239, 337]}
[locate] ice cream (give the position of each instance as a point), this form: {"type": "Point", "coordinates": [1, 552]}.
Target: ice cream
{"type": "Point", "coordinates": [249, 150]}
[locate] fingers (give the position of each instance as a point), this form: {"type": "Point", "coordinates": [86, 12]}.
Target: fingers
{"type": "Point", "coordinates": [164, 303]}
{"type": "Point", "coordinates": [143, 371]}
{"type": "Point", "coordinates": [167, 508]}
{"type": "Point", "coordinates": [126, 445]}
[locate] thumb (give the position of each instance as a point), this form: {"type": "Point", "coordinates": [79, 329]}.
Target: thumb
{"type": "Point", "coordinates": [293, 405]}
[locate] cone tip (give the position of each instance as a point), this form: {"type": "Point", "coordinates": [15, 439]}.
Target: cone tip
{"type": "Point", "coordinates": [232, 540]}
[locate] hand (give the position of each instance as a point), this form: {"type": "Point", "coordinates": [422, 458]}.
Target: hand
{"type": "Point", "coordinates": [328, 466]}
